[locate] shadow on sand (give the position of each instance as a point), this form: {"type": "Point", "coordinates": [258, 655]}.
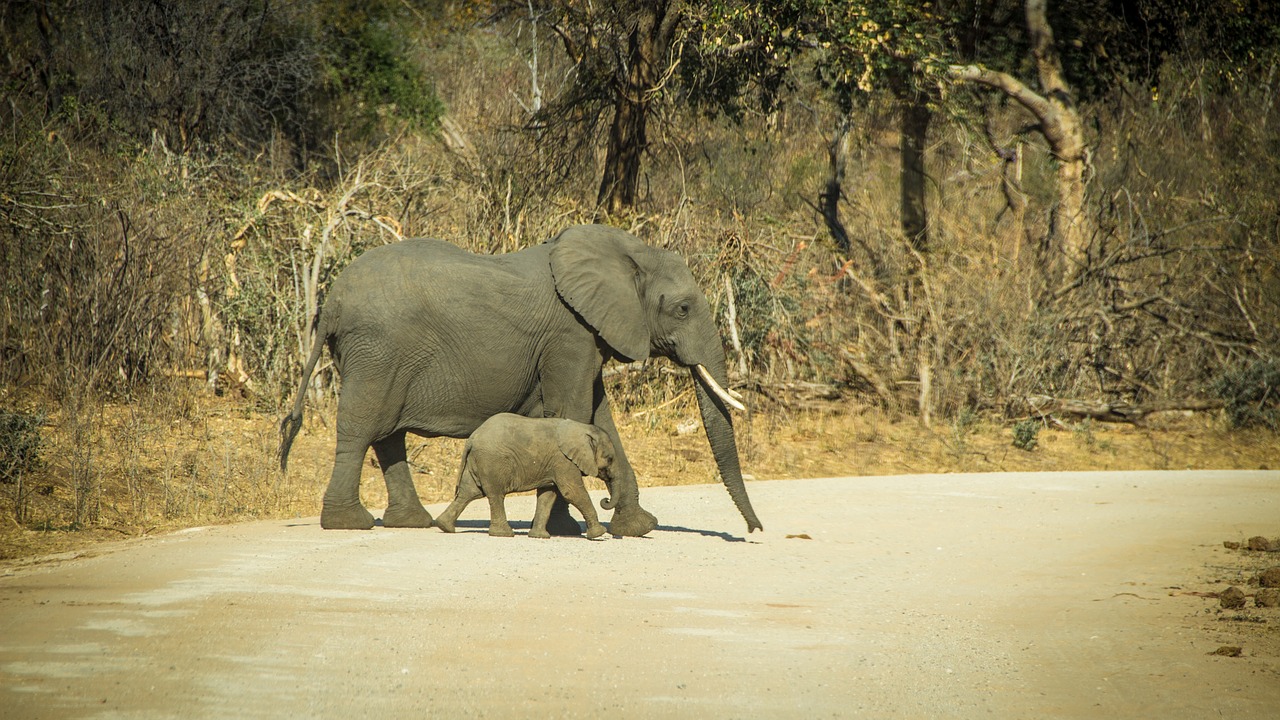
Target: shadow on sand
{"type": "Point", "coordinates": [518, 525]}
{"type": "Point", "coordinates": [705, 533]}
{"type": "Point", "coordinates": [524, 525]}
{"type": "Point", "coordinates": [483, 525]}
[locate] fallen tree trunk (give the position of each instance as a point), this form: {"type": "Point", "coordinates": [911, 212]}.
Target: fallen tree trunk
{"type": "Point", "coordinates": [1117, 412]}
{"type": "Point", "coordinates": [799, 395]}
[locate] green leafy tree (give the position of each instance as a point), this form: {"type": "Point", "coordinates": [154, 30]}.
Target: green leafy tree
{"type": "Point", "coordinates": [366, 48]}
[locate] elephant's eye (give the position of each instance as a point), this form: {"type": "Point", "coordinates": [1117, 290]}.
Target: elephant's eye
{"type": "Point", "coordinates": [682, 310]}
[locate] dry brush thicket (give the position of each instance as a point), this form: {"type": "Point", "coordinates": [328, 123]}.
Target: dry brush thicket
{"type": "Point", "coordinates": [139, 281]}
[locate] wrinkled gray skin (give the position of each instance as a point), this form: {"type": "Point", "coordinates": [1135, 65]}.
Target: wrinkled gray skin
{"type": "Point", "coordinates": [433, 340]}
{"type": "Point", "coordinates": [512, 453]}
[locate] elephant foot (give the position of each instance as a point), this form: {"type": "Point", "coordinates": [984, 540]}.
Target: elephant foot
{"type": "Point", "coordinates": [539, 533]}
{"type": "Point", "coordinates": [445, 524]}
{"type": "Point", "coordinates": [501, 530]}
{"type": "Point", "coordinates": [634, 521]}
{"type": "Point", "coordinates": [406, 517]}
{"type": "Point", "coordinates": [595, 531]}
{"type": "Point", "coordinates": [346, 518]}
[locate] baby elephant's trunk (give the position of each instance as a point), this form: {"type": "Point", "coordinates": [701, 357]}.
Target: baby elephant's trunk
{"type": "Point", "coordinates": [607, 477]}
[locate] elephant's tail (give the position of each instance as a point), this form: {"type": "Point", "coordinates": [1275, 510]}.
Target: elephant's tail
{"type": "Point", "coordinates": [293, 421]}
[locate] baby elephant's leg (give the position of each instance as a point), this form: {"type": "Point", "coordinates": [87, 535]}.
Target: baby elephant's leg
{"type": "Point", "coordinates": [546, 498]}
{"type": "Point", "coordinates": [573, 490]}
{"type": "Point", "coordinates": [498, 525]}
{"type": "Point", "coordinates": [468, 490]}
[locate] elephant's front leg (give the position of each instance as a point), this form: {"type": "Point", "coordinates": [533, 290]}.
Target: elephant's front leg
{"type": "Point", "coordinates": [559, 522]}
{"type": "Point", "coordinates": [570, 484]}
{"type": "Point", "coordinates": [404, 507]}
{"type": "Point", "coordinates": [629, 519]}
{"type": "Point", "coordinates": [575, 390]}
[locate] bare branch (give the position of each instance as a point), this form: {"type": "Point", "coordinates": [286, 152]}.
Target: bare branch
{"type": "Point", "coordinates": [1006, 83]}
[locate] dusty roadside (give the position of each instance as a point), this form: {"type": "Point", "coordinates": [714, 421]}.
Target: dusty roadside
{"type": "Point", "coordinates": [156, 470]}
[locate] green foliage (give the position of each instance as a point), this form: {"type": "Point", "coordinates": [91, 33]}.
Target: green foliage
{"type": "Point", "coordinates": [1252, 394]}
{"type": "Point", "coordinates": [965, 422]}
{"type": "Point", "coordinates": [236, 72]}
{"type": "Point", "coordinates": [1024, 435]}
{"type": "Point", "coordinates": [20, 444]}
{"type": "Point", "coordinates": [368, 55]}
{"type": "Point", "coordinates": [1104, 43]}
{"type": "Point", "coordinates": [856, 47]}
{"type": "Point", "coordinates": [21, 448]}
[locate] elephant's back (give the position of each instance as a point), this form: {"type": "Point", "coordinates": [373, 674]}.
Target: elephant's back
{"type": "Point", "coordinates": [407, 256]}
{"type": "Point", "coordinates": [389, 282]}
{"type": "Point", "coordinates": [514, 446]}
{"type": "Point", "coordinates": [512, 427]}
{"type": "Point", "coordinates": [438, 330]}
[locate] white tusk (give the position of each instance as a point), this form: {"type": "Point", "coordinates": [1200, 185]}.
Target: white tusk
{"type": "Point", "coordinates": [736, 395]}
{"type": "Point", "coordinates": [719, 391]}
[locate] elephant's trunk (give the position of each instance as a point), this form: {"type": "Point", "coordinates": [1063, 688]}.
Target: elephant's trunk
{"type": "Point", "coordinates": [719, 428]}
{"type": "Point", "coordinates": [608, 503]}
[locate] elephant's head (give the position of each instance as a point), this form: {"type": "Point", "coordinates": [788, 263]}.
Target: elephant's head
{"type": "Point", "coordinates": [643, 301]}
{"type": "Point", "coordinates": [589, 449]}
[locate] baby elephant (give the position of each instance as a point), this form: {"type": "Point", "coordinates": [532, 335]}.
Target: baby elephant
{"type": "Point", "coordinates": [511, 453]}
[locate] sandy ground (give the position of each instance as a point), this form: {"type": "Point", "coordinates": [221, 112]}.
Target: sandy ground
{"type": "Point", "coordinates": [978, 595]}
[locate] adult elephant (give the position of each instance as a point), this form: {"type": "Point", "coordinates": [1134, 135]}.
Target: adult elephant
{"type": "Point", "coordinates": [433, 340]}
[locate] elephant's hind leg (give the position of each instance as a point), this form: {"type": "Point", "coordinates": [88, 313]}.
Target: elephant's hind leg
{"type": "Point", "coordinates": [468, 490]}
{"type": "Point", "coordinates": [404, 507]}
{"type": "Point", "coordinates": [498, 524]}
{"type": "Point", "coordinates": [342, 509]}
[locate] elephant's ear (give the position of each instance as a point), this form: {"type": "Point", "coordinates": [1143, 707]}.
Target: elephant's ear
{"type": "Point", "coordinates": [595, 273]}
{"type": "Point", "coordinates": [579, 447]}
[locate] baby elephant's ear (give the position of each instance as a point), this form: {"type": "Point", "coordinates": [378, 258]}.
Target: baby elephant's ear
{"type": "Point", "coordinates": [578, 445]}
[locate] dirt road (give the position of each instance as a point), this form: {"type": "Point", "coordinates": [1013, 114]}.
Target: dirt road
{"type": "Point", "coordinates": [1001, 595]}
